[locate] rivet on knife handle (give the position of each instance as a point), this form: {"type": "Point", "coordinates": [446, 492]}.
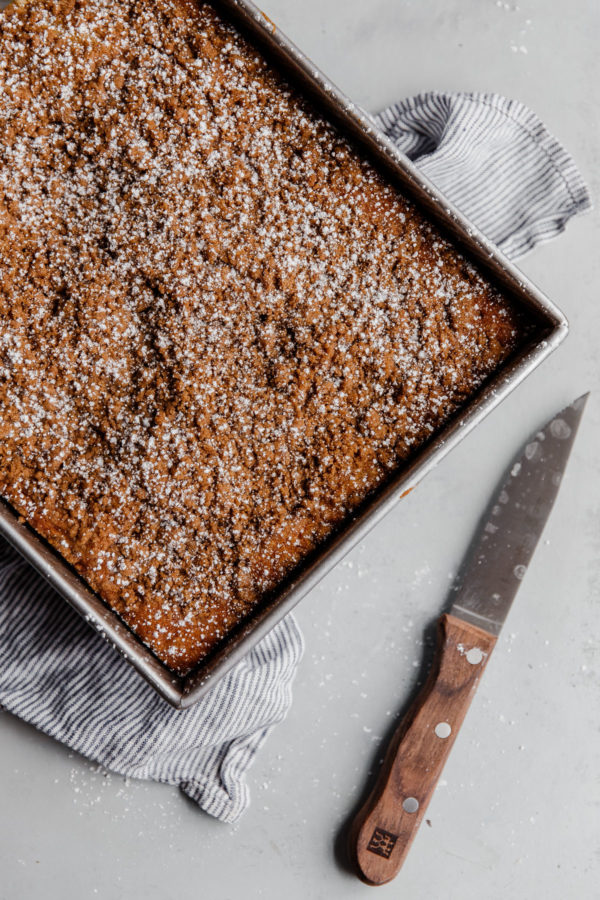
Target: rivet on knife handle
{"type": "Point", "coordinates": [391, 816]}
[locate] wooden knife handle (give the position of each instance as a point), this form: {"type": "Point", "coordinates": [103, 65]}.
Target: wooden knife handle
{"type": "Point", "coordinates": [387, 823]}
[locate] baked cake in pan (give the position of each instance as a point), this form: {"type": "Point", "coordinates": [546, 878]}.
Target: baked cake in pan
{"type": "Point", "coordinates": [220, 328]}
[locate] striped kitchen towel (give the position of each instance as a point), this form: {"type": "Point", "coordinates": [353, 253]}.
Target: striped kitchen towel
{"type": "Point", "coordinates": [497, 162]}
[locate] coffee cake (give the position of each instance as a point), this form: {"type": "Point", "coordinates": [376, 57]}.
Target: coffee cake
{"type": "Point", "coordinates": [220, 328]}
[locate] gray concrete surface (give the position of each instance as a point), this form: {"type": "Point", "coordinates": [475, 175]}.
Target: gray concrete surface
{"type": "Point", "coordinates": [517, 811]}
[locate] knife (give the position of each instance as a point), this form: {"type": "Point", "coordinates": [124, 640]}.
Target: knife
{"type": "Point", "coordinates": [483, 592]}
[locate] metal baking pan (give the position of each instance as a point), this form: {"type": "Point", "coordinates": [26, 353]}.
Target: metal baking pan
{"type": "Point", "coordinates": [551, 328]}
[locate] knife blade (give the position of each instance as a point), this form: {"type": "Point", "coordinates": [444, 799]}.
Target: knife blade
{"type": "Point", "coordinates": [489, 579]}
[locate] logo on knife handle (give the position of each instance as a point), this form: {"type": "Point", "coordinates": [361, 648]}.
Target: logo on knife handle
{"type": "Point", "coordinates": [382, 842]}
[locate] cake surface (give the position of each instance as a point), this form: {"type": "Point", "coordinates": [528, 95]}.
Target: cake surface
{"type": "Point", "coordinates": [220, 329]}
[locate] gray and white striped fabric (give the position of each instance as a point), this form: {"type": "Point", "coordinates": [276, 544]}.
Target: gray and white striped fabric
{"type": "Point", "coordinates": [497, 162]}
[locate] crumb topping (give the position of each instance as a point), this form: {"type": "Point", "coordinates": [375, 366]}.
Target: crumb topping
{"type": "Point", "coordinates": [220, 329]}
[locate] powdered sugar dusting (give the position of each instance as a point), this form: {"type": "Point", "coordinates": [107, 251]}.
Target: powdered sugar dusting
{"type": "Point", "coordinates": [220, 328]}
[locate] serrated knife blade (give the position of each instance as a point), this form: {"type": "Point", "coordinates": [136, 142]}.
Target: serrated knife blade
{"type": "Point", "coordinates": [485, 588]}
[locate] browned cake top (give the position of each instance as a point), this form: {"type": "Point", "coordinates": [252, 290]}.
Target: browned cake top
{"type": "Point", "coordinates": [220, 329]}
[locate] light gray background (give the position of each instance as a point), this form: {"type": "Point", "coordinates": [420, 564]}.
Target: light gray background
{"type": "Point", "coordinates": [517, 811]}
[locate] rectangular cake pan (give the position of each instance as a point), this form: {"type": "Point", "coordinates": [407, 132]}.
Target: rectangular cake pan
{"type": "Point", "coordinates": [551, 328]}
